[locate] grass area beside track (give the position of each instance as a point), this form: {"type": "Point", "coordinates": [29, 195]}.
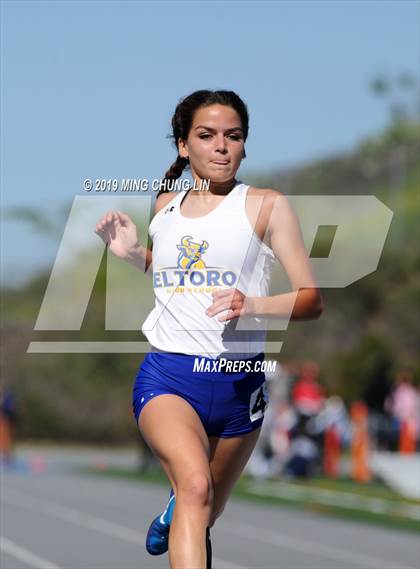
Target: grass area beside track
{"type": "Point", "coordinates": [372, 503]}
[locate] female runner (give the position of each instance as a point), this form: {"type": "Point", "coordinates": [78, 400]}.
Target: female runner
{"type": "Point", "coordinates": [199, 395]}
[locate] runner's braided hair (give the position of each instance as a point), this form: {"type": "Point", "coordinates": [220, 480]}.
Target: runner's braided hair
{"type": "Point", "coordinates": [184, 116]}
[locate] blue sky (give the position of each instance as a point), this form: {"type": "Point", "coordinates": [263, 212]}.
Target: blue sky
{"type": "Point", "coordinates": [88, 88]}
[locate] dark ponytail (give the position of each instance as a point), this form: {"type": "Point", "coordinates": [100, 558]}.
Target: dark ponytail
{"type": "Point", "coordinates": [183, 119]}
{"type": "Point", "coordinates": [176, 169]}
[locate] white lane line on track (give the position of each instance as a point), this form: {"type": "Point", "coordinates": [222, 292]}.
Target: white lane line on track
{"type": "Point", "coordinates": [77, 517]}
{"type": "Point", "coordinates": [24, 555]}
{"type": "Point", "coordinates": [282, 540]}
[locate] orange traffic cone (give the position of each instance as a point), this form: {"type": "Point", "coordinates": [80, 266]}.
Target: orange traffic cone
{"type": "Point", "coordinates": [332, 452]}
{"type": "Point", "coordinates": [407, 442]}
{"type": "Point", "coordinates": [360, 443]}
{"type": "Point", "coordinates": [5, 438]}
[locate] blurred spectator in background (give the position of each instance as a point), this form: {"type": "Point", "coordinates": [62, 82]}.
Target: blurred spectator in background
{"type": "Point", "coordinates": [307, 394]}
{"type": "Point", "coordinates": [305, 435]}
{"type": "Point", "coordinates": [304, 450]}
{"type": "Point", "coordinates": [403, 404]}
{"type": "Point", "coordinates": [375, 394]}
{"type": "Point", "coordinates": [335, 425]}
{"type": "Point", "coordinates": [334, 414]}
{"type": "Point", "coordinates": [8, 420]}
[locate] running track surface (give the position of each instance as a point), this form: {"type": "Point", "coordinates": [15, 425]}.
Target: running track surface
{"type": "Point", "coordinates": [55, 517]}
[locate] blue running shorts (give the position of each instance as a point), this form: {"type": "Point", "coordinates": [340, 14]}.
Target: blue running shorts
{"type": "Point", "coordinates": [229, 402]}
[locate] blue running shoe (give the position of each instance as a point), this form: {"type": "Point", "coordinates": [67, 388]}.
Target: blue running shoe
{"type": "Point", "coordinates": [158, 534]}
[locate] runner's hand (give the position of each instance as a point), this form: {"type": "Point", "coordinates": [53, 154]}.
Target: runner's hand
{"type": "Point", "coordinates": [118, 232]}
{"type": "Point", "coordinates": [231, 299]}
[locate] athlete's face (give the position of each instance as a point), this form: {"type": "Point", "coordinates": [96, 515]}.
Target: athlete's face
{"type": "Point", "coordinates": [215, 143]}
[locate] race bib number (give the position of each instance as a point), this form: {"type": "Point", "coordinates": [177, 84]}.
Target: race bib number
{"type": "Point", "coordinates": [258, 402]}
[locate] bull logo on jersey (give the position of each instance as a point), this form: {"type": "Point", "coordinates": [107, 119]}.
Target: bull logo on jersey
{"type": "Point", "coordinates": [190, 257]}
{"type": "Point", "coordinates": [190, 253]}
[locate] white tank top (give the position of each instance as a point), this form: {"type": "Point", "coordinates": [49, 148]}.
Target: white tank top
{"type": "Point", "coordinates": [192, 257]}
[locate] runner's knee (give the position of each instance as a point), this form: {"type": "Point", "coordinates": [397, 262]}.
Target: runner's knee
{"type": "Point", "coordinates": [195, 489]}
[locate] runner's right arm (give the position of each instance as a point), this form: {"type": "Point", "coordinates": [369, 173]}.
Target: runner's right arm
{"type": "Point", "coordinates": [119, 233]}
